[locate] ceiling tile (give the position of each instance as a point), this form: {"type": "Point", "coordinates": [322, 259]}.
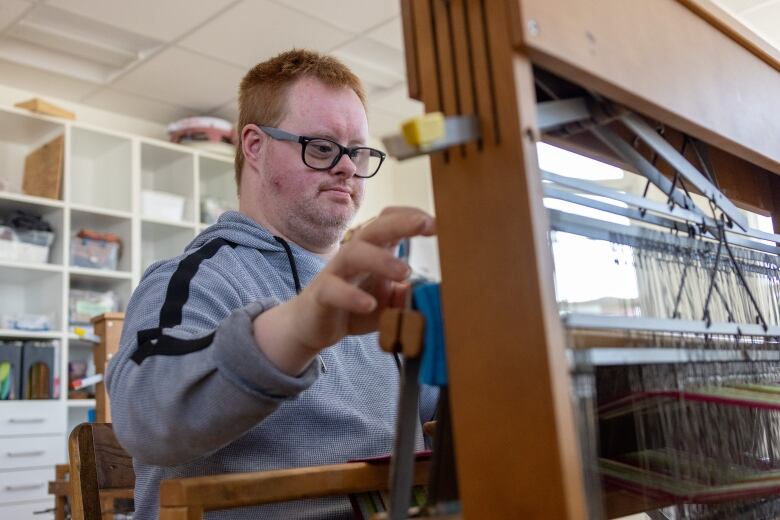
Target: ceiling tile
{"type": "Point", "coordinates": [256, 30]}
{"type": "Point", "coordinates": [160, 20]}
{"type": "Point", "coordinates": [390, 33]}
{"type": "Point", "coordinates": [738, 6]}
{"type": "Point", "coordinates": [397, 101]}
{"type": "Point", "coordinates": [10, 10]}
{"type": "Point", "coordinates": [766, 22]}
{"type": "Point", "coordinates": [355, 16]}
{"type": "Point", "coordinates": [375, 55]}
{"type": "Point", "coordinates": [136, 106]}
{"type": "Point", "coordinates": [40, 82]}
{"type": "Point", "coordinates": [183, 78]}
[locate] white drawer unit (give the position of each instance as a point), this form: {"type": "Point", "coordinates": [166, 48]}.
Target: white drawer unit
{"type": "Point", "coordinates": [31, 418]}
{"type": "Point", "coordinates": [25, 485]}
{"type": "Point", "coordinates": [31, 452]}
{"type": "Point", "coordinates": [27, 511]}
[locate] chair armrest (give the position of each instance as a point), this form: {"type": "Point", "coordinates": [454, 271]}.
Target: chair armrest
{"type": "Point", "coordinates": [250, 489]}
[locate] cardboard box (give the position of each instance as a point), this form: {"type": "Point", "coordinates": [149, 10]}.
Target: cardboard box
{"type": "Point", "coordinates": [43, 170]}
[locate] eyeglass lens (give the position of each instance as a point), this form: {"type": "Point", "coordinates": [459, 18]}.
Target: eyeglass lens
{"type": "Point", "coordinates": [321, 153]}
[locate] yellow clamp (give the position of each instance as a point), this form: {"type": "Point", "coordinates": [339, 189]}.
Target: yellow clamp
{"type": "Point", "coordinates": [424, 130]}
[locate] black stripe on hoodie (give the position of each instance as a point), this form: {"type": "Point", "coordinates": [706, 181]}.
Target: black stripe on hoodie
{"type": "Point", "coordinates": [152, 341]}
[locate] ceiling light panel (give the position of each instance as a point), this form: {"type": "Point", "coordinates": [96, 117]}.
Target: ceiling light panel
{"type": "Point", "coordinates": [50, 38]}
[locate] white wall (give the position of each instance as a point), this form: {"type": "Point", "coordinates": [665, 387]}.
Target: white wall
{"type": "Point", "coordinates": [405, 183]}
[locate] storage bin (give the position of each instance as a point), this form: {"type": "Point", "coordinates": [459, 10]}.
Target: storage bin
{"type": "Point", "coordinates": [27, 321]}
{"type": "Point", "coordinates": [97, 254]}
{"type": "Point", "coordinates": [38, 238]}
{"type": "Point", "coordinates": [84, 304]}
{"type": "Point", "coordinates": [162, 205]}
{"type": "Point", "coordinates": [25, 246]}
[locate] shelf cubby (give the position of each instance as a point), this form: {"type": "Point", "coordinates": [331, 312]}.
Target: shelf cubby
{"type": "Point", "coordinates": [160, 240]}
{"type": "Point", "coordinates": [106, 223]}
{"type": "Point", "coordinates": [20, 135]}
{"type": "Point", "coordinates": [217, 186]}
{"type": "Point", "coordinates": [100, 170]}
{"type": "Point", "coordinates": [168, 173]}
{"type": "Point", "coordinates": [31, 290]}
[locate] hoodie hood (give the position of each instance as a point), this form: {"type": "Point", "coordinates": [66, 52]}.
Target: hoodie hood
{"type": "Point", "coordinates": [241, 230]}
{"type": "Point", "coordinates": [238, 228]}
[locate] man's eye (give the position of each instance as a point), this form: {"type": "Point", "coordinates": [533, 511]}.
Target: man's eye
{"type": "Point", "coordinates": [320, 148]}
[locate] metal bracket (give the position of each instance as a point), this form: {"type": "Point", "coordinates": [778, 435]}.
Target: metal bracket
{"type": "Point", "coordinates": [457, 130]}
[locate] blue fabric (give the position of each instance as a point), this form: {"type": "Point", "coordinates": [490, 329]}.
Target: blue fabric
{"type": "Point", "coordinates": [426, 298]}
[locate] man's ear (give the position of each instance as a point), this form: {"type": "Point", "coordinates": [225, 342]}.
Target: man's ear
{"type": "Point", "coordinates": [252, 140]}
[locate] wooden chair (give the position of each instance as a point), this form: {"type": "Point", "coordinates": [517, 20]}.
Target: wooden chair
{"type": "Point", "coordinates": [102, 472]}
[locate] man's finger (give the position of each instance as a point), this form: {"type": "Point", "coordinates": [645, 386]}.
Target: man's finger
{"type": "Point", "coordinates": [337, 293]}
{"type": "Point", "coordinates": [360, 257]}
{"type": "Point", "coordinates": [391, 227]}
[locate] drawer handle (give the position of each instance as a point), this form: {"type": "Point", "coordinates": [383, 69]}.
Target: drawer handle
{"type": "Point", "coordinates": [31, 420]}
{"type": "Point", "coordinates": [24, 487]}
{"type": "Point", "coordinates": [25, 453]}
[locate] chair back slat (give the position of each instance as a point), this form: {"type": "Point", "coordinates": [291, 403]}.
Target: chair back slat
{"type": "Point", "coordinates": [97, 464]}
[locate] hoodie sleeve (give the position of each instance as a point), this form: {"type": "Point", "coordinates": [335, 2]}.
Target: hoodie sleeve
{"type": "Point", "coordinates": [189, 378]}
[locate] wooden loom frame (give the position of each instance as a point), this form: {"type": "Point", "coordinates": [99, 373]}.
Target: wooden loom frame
{"type": "Point", "coordinates": [515, 440]}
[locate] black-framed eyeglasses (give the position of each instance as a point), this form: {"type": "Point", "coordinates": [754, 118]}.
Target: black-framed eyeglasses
{"type": "Point", "coordinates": [319, 153]}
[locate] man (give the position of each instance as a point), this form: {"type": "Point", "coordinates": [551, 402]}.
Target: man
{"type": "Point", "coordinates": [254, 349]}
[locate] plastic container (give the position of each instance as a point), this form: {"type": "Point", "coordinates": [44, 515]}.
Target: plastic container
{"type": "Point", "coordinates": [84, 304]}
{"type": "Point", "coordinates": [162, 205]}
{"type": "Point", "coordinates": [25, 246]}
{"type": "Point", "coordinates": [97, 254]}
{"type": "Point", "coordinates": [38, 238]}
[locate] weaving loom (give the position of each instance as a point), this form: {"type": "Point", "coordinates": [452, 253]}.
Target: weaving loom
{"type": "Point", "coordinates": [669, 398]}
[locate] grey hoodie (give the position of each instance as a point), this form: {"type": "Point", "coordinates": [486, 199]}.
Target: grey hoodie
{"type": "Point", "coordinates": [191, 394]}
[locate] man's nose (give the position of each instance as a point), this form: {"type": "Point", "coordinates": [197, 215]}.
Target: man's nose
{"type": "Point", "coordinates": [345, 167]}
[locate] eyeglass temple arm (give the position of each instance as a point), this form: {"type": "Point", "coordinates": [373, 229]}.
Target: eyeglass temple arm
{"type": "Point", "coordinates": [280, 134]}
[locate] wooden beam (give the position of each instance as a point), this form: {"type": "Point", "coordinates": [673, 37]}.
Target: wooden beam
{"type": "Point", "coordinates": [663, 60]}
{"type": "Point", "coordinates": [251, 489]}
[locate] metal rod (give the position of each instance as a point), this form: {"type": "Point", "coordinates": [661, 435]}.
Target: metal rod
{"type": "Point", "coordinates": [637, 125]}
{"type": "Point", "coordinates": [734, 237]}
{"type": "Point", "coordinates": [613, 356]}
{"type": "Point", "coordinates": [551, 114]}
{"type": "Point", "coordinates": [628, 198]}
{"type": "Point", "coordinates": [639, 324]}
{"type": "Point", "coordinates": [643, 166]}
{"type": "Point", "coordinates": [634, 214]}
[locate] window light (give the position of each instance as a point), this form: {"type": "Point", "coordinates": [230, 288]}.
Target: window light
{"type": "Point", "coordinates": [563, 162]}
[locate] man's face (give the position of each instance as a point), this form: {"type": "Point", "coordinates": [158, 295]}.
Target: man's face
{"type": "Point", "coordinates": [314, 207]}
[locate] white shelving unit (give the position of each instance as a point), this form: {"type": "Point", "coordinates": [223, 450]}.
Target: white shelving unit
{"type": "Point", "coordinates": [105, 174]}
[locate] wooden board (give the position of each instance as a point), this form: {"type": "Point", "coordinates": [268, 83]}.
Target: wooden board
{"type": "Point", "coordinates": [664, 60]}
{"type": "Point", "coordinates": [247, 489]}
{"type": "Point", "coordinates": [40, 106]}
{"type": "Point", "coordinates": [43, 170]}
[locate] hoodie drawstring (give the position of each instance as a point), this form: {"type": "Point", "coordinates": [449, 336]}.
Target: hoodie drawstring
{"type": "Point", "coordinates": [291, 259]}
{"type": "Point", "coordinates": [297, 282]}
